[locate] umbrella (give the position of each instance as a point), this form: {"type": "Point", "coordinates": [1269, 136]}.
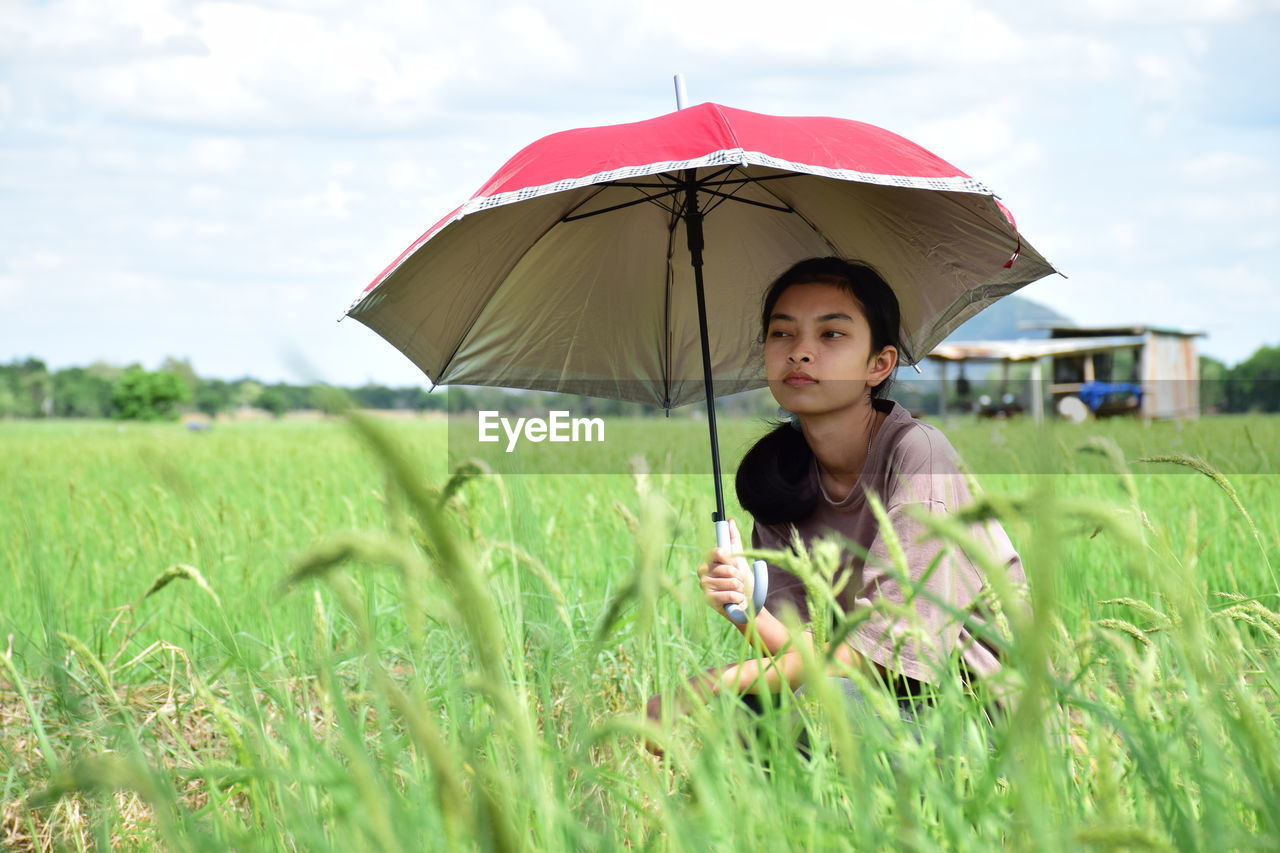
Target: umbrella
{"type": "Point", "coordinates": [567, 271]}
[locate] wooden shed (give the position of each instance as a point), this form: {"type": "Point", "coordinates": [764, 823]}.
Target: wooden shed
{"type": "Point", "coordinates": [1156, 369]}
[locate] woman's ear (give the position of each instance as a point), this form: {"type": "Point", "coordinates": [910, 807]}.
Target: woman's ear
{"type": "Point", "coordinates": [882, 365]}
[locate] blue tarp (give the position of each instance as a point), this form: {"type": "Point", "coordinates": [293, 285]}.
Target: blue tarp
{"type": "Point", "coordinates": [1094, 394]}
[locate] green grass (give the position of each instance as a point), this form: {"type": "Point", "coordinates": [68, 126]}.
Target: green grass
{"type": "Point", "coordinates": [342, 657]}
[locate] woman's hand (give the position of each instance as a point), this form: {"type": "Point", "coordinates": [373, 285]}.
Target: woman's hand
{"type": "Point", "coordinates": [653, 711]}
{"type": "Point", "coordinates": [725, 577]}
{"type": "Point", "coordinates": [701, 688]}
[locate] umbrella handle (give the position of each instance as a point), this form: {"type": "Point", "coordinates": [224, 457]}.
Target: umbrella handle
{"type": "Point", "coordinates": [760, 588]}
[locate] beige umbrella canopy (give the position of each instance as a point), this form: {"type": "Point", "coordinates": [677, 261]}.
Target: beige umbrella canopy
{"type": "Point", "coordinates": [569, 270]}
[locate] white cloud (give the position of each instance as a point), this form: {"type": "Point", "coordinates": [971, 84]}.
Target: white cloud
{"type": "Point", "coordinates": [394, 63]}
{"type": "Point", "coordinates": [332, 202]}
{"type": "Point", "coordinates": [403, 173]}
{"type": "Point", "coordinates": [536, 34]}
{"type": "Point", "coordinates": [388, 63]}
{"type": "Point", "coordinates": [1157, 12]}
{"type": "Point", "coordinates": [204, 192]}
{"type": "Point", "coordinates": [217, 154]}
{"type": "Point", "coordinates": [1260, 240]}
{"type": "Point", "coordinates": [1240, 280]}
{"type": "Point", "coordinates": [167, 229]}
{"type": "Point", "coordinates": [87, 32]}
{"type": "Point", "coordinates": [1164, 76]}
{"type": "Point", "coordinates": [936, 34]}
{"type": "Point", "coordinates": [1122, 235]}
{"type": "Point", "coordinates": [37, 261]}
{"type": "Point", "coordinates": [985, 133]}
{"type": "Point", "coordinates": [115, 287]}
{"type": "Point", "coordinates": [1232, 206]}
{"type": "Point", "coordinates": [1214, 166]}
{"type": "Point", "coordinates": [187, 157]}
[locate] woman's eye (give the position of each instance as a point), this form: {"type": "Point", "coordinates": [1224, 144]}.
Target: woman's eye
{"type": "Point", "coordinates": [832, 333]}
{"type": "Point", "coordinates": [778, 333]}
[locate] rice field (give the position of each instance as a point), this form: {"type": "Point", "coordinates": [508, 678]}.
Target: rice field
{"type": "Point", "coordinates": [287, 636]}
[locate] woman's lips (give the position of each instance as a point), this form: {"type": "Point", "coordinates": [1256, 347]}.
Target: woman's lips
{"type": "Point", "coordinates": [800, 380]}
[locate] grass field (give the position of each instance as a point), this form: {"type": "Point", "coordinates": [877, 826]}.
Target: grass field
{"type": "Point", "coordinates": [345, 648]}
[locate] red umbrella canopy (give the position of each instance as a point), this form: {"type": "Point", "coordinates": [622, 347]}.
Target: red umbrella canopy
{"type": "Point", "coordinates": [567, 271]}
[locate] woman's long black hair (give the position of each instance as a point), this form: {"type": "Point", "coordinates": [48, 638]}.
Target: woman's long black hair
{"type": "Point", "coordinates": [773, 478]}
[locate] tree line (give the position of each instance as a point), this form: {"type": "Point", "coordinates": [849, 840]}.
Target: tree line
{"type": "Point", "coordinates": [1253, 385]}
{"type": "Point", "coordinates": [29, 389]}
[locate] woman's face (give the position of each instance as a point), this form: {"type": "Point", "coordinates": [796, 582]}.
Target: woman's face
{"type": "Point", "coordinates": [817, 350]}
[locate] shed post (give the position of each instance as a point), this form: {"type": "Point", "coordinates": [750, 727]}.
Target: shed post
{"type": "Point", "coordinates": [1036, 392]}
{"type": "Point", "coordinates": [942, 390]}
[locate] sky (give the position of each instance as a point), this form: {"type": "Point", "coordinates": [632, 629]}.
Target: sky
{"type": "Point", "coordinates": [218, 181]}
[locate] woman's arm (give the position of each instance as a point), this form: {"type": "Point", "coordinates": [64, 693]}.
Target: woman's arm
{"type": "Point", "coordinates": [751, 676]}
{"type": "Point", "coordinates": [769, 673]}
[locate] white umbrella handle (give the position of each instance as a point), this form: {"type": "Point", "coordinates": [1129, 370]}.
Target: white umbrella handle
{"type": "Point", "coordinates": [760, 571]}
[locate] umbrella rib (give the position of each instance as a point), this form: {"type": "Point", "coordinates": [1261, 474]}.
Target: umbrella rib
{"type": "Point", "coordinates": [637, 185]}
{"type": "Point", "coordinates": [462, 339]}
{"type": "Point", "coordinates": [756, 180]}
{"type": "Point", "coordinates": [818, 231]}
{"type": "Point", "coordinates": [672, 209]}
{"type": "Point", "coordinates": [729, 197]}
{"type": "Point", "coordinates": [806, 220]}
{"type": "Point", "coordinates": [599, 189]}
{"type": "Point", "coordinates": [666, 312]}
{"type": "Point", "coordinates": [653, 198]}
{"type": "Point", "coordinates": [668, 189]}
{"type": "Point", "coordinates": [714, 175]}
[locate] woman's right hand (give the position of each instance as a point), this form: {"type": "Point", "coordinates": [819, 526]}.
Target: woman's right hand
{"type": "Point", "coordinates": [725, 577]}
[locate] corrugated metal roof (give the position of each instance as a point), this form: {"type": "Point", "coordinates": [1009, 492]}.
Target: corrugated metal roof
{"type": "Point", "coordinates": [1121, 329]}
{"type": "Point", "coordinates": [1026, 350]}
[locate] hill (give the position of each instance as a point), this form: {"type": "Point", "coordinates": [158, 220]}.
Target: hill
{"type": "Point", "coordinates": [1008, 319]}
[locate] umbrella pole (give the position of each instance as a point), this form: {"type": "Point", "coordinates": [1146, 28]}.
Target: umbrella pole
{"type": "Point", "coordinates": [693, 228]}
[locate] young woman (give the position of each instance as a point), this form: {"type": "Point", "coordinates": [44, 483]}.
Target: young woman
{"type": "Point", "coordinates": [830, 331]}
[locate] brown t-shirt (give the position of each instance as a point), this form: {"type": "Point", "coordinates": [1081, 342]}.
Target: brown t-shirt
{"type": "Point", "coordinates": [911, 464]}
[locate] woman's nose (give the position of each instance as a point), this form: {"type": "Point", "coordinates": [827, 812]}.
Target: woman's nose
{"type": "Point", "coordinates": [798, 356]}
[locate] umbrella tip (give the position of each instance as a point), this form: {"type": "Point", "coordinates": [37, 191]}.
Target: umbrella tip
{"type": "Point", "coordinates": [682, 97]}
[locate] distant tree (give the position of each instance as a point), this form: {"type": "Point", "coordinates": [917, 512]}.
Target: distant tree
{"type": "Point", "coordinates": [25, 389]}
{"type": "Point", "coordinates": [30, 388]}
{"type": "Point", "coordinates": [371, 396]}
{"type": "Point", "coordinates": [330, 400]}
{"type": "Point", "coordinates": [276, 398]}
{"type": "Point", "coordinates": [1255, 382]}
{"type": "Point", "coordinates": [1213, 384]}
{"type": "Point", "coordinates": [273, 400]}
{"type": "Point", "coordinates": [419, 399]}
{"type": "Point", "coordinates": [78, 392]}
{"type": "Point", "coordinates": [8, 396]}
{"type": "Point", "coordinates": [148, 395]}
{"type": "Point", "coordinates": [182, 368]}
{"type": "Point", "coordinates": [247, 392]}
{"type": "Point", "coordinates": [214, 396]}
{"type": "Point", "coordinates": [461, 400]}
{"type": "Point", "coordinates": [105, 371]}
{"type": "Point", "coordinates": [296, 397]}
